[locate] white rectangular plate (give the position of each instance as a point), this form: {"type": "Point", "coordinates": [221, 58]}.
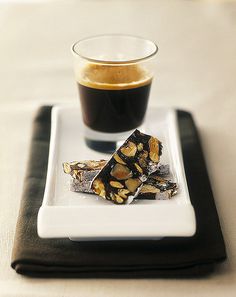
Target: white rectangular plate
{"type": "Point", "coordinates": [89, 217]}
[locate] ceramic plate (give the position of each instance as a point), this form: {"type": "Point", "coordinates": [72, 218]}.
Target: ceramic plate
{"type": "Point", "coordinates": [88, 217]}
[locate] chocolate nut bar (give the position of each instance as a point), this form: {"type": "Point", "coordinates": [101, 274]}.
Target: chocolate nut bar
{"type": "Point", "coordinates": [157, 187]}
{"type": "Point", "coordinates": [83, 170]}
{"type": "Point", "coordinates": [121, 179]}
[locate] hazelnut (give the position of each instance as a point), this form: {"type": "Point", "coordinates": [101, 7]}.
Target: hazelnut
{"type": "Point", "coordinates": [119, 199]}
{"type": "Point", "coordinates": [132, 184]}
{"type": "Point", "coordinates": [140, 147]}
{"type": "Point", "coordinates": [154, 149]}
{"type": "Point", "coordinates": [116, 184]}
{"type": "Point", "coordinates": [129, 150]}
{"type": "Point", "coordinates": [149, 189]}
{"type": "Point", "coordinates": [121, 172]}
{"type": "Point", "coordinates": [123, 193]}
{"type": "Point", "coordinates": [118, 159]}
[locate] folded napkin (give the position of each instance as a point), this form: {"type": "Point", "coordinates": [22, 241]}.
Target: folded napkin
{"type": "Point", "coordinates": [169, 257]}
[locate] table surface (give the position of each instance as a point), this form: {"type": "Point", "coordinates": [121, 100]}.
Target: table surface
{"type": "Point", "coordinates": [195, 70]}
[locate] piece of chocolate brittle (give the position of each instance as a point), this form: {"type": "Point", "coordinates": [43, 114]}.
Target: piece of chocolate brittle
{"type": "Point", "coordinates": [83, 170]}
{"type": "Point", "coordinates": [121, 179]}
{"type": "Point", "coordinates": [158, 187]}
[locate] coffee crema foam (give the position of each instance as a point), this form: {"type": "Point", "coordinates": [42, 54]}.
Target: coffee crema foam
{"type": "Point", "coordinates": [112, 77]}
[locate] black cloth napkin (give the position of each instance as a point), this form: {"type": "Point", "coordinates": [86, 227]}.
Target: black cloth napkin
{"type": "Point", "coordinates": [169, 257]}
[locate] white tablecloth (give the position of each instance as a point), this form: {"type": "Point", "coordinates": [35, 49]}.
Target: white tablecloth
{"type": "Point", "coordinates": [196, 70]}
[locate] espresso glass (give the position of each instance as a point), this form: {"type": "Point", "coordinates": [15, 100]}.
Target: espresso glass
{"type": "Point", "coordinates": [114, 75]}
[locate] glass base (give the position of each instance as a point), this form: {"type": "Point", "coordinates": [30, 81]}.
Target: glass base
{"type": "Point", "coordinates": [101, 146]}
{"type": "Point", "coordinates": [105, 142]}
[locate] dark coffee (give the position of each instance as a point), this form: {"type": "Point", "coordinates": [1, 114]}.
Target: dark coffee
{"type": "Point", "coordinates": [114, 99]}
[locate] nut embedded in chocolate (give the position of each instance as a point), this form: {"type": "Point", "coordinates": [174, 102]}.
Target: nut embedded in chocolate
{"type": "Point", "coordinates": [99, 188]}
{"type": "Point", "coordinates": [154, 149]}
{"type": "Point", "coordinates": [138, 168]}
{"type": "Point", "coordinates": [132, 184]}
{"type": "Point", "coordinates": [123, 193]}
{"type": "Point", "coordinates": [67, 168]}
{"type": "Point", "coordinates": [118, 159]}
{"type": "Point", "coordinates": [140, 147]}
{"type": "Point", "coordinates": [129, 150]}
{"type": "Point", "coordinates": [116, 184]}
{"type": "Point", "coordinates": [157, 187]}
{"type": "Point", "coordinates": [149, 189]}
{"type": "Point", "coordinates": [121, 172]}
{"type": "Point", "coordinates": [143, 159]}
{"type": "Point", "coordinates": [118, 199]}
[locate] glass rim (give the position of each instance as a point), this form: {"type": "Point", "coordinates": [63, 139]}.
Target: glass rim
{"type": "Point", "coordinates": [100, 61]}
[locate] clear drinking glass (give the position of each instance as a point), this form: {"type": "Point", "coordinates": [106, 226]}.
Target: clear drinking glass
{"type": "Point", "coordinates": [114, 75]}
